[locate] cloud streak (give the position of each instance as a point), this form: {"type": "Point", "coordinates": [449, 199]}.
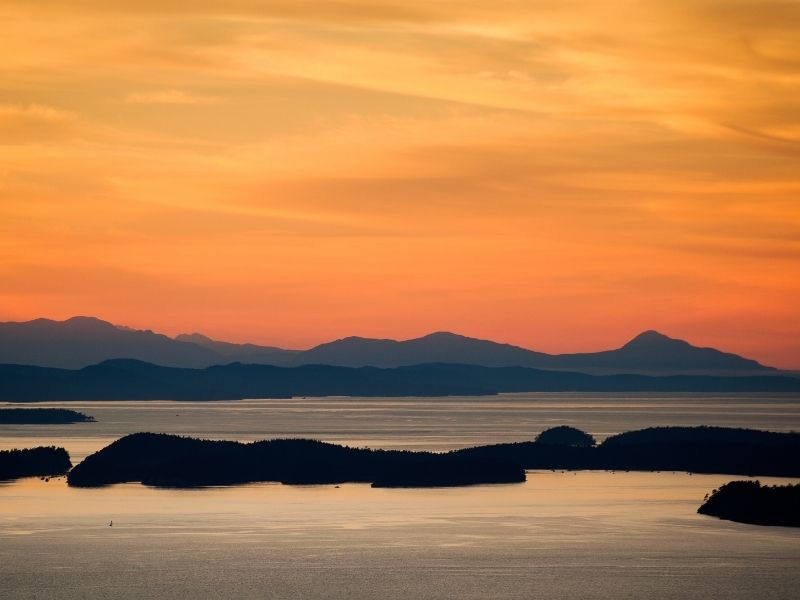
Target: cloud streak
{"type": "Point", "coordinates": [171, 96]}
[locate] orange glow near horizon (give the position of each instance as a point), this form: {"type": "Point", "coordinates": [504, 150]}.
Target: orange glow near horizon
{"type": "Point", "coordinates": [555, 174]}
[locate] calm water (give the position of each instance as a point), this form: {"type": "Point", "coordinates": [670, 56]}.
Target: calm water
{"type": "Point", "coordinates": [415, 423]}
{"type": "Point", "coordinates": [560, 535]}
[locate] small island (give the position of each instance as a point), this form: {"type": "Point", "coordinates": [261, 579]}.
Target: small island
{"type": "Point", "coordinates": [564, 435]}
{"type": "Point", "coordinates": [751, 502]}
{"type": "Point", "coordinates": [43, 461]}
{"type": "Point", "coordinates": [42, 416]}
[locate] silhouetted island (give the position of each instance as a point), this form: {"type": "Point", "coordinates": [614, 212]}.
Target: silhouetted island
{"type": "Point", "coordinates": [751, 502]}
{"type": "Point", "coordinates": [173, 461]}
{"type": "Point", "coordinates": [34, 462]}
{"type": "Point", "coordinates": [691, 449]}
{"type": "Point", "coordinates": [564, 435]}
{"type": "Point", "coordinates": [42, 416]}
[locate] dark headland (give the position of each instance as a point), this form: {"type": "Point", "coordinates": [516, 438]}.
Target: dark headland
{"type": "Point", "coordinates": [42, 416]}
{"type": "Point", "coordinates": [173, 461]}
{"type": "Point", "coordinates": [751, 502]}
{"type": "Point", "coordinates": [34, 462]}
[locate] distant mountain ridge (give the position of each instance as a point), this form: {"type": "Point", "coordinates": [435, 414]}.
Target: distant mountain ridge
{"type": "Point", "coordinates": [441, 346]}
{"type": "Point", "coordinates": [654, 351]}
{"type": "Point", "coordinates": [649, 351]}
{"type": "Point", "coordinates": [245, 353]}
{"type": "Point", "coordinates": [82, 341]}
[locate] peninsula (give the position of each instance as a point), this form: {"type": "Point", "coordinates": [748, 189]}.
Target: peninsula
{"type": "Point", "coordinates": [34, 462]}
{"type": "Point", "coordinates": [42, 416]}
{"type": "Point", "coordinates": [751, 502]}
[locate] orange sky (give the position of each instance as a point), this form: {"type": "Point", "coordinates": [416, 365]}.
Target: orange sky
{"type": "Point", "coordinates": [556, 174]}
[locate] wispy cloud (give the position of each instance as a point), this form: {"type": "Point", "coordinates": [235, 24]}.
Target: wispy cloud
{"type": "Point", "coordinates": [34, 123]}
{"type": "Point", "coordinates": [510, 169]}
{"type": "Point", "coordinates": [170, 97]}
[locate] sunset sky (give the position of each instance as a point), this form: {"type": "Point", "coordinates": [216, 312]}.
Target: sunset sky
{"type": "Point", "coordinates": [555, 174]}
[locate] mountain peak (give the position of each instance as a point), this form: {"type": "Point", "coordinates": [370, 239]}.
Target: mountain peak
{"type": "Point", "coordinates": [357, 339]}
{"type": "Point", "coordinates": [652, 334]}
{"type": "Point", "coordinates": [442, 335]}
{"type": "Point", "coordinates": [650, 338]}
{"type": "Point", "coordinates": [193, 337]}
{"type": "Point", "coordinates": [85, 322]}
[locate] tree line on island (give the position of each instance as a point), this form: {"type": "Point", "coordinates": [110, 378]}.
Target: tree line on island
{"type": "Point", "coordinates": [44, 461]}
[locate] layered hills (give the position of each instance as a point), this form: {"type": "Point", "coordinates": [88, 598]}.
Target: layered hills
{"type": "Point", "coordinates": [82, 341]}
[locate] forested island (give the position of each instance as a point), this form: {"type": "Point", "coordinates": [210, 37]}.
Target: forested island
{"type": "Point", "coordinates": [692, 449]}
{"type": "Point", "coordinates": [751, 502]}
{"type": "Point", "coordinates": [42, 416]}
{"type": "Point", "coordinates": [173, 461]}
{"type": "Point", "coordinates": [34, 462]}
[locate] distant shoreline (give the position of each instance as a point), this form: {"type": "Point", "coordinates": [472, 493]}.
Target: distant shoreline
{"type": "Point", "coordinates": [134, 380]}
{"type": "Point", "coordinates": [42, 416]}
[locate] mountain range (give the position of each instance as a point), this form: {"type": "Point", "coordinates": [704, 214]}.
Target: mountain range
{"type": "Point", "coordinates": [82, 341]}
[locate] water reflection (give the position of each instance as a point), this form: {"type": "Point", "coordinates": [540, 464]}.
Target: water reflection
{"type": "Point", "coordinates": [560, 535]}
